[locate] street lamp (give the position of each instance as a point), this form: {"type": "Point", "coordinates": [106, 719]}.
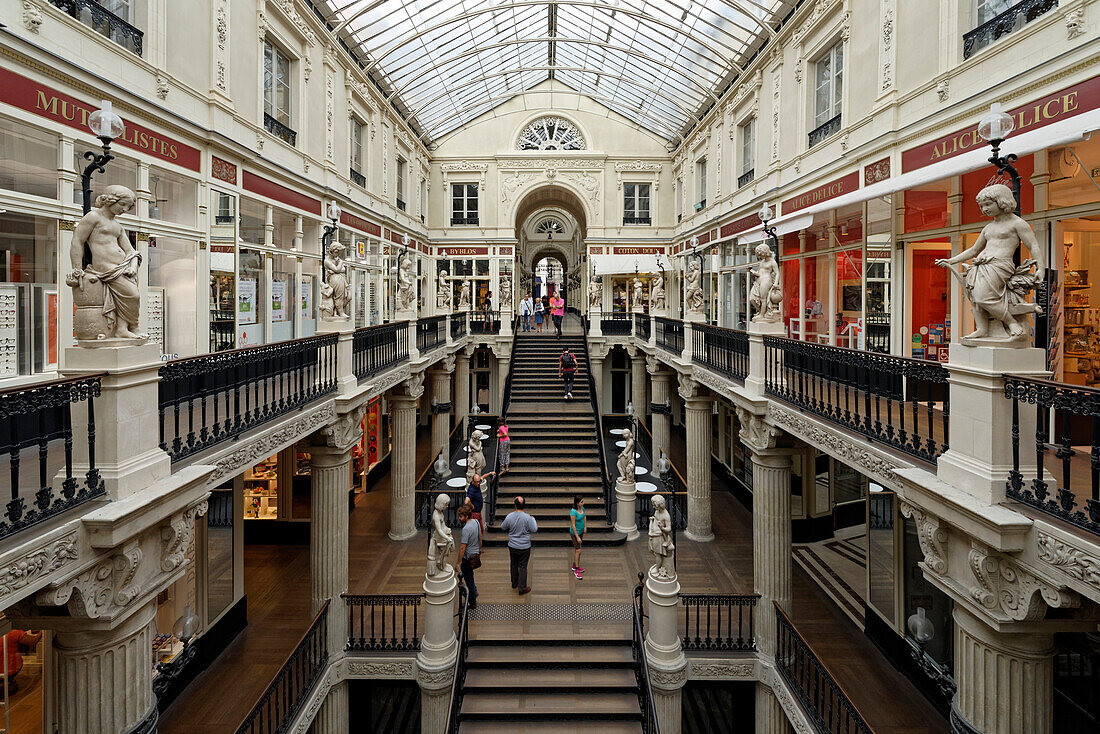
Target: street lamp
{"type": "Point", "coordinates": [333, 212]}
{"type": "Point", "coordinates": [107, 126]}
{"type": "Point", "coordinates": [994, 128]}
{"type": "Point", "coordinates": [766, 214]}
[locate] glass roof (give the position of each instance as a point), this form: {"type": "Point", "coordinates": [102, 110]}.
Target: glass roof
{"type": "Point", "coordinates": [659, 62]}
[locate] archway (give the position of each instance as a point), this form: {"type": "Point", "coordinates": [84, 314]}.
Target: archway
{"type": "Point", "coordinates": [551, 222]}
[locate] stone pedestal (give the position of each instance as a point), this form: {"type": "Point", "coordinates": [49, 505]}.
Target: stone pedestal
{"type": "Point", "coordinates": [441, 421]}
{"type": "Point", "coordinates": [105, 677]}
{"type": "Point", "coordinates": [769, 715]}
{"type": "Point", "coordinates": [667, 663]}
{"type": "Point", "coordinates": [698, 411]}
{"type": "Point", "coordinates": [403, 468]}
{"type": "Point", "coordinates": [1005, 681]}
{"type": "Point", "coordinates": [695, 316]}
{"type": "Point", "coordinates": [758, 367]}
{"type": "Point", "coordinates": [405, 314]}
{"type": "Point", "coordinates": [328, 536]}
{"type": "Point", "coordinates": [345, 369]}
{"type": "Point", "coordinates": [980, 457]}
{"type": "Point", "coordinates": [332, 718]}
{"type": "Point", "coordinates": [595, 326]}
{"type": "Point", "coordinates": [506, 319]}
{"type": "Point", "coordinates": [438, 651]}
{"type": "Point", "coordinates": [127, 426]}
{"type": "Point", "coordinates": [625, 496]}
{"type": "Point", "coordinates": [771, 540]}
{"type": "Point", "coordinates": [638, 308]}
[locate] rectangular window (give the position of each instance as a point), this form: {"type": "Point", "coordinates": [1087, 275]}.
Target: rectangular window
{"type": "Point", "coordinates": [636, 203]}
{"type": "Point", "coordinates": [276, 84]}
{"type": "Point", "coordinates": [356, 153]}
{"type": "Point", "coordinates": [121, 8]}
{"type": "Point", "coordinates": [402, 167]}
{"type": "Point", "coordinates": [828, 84]}
{"type": "Point", "coordinates": [464, 203]}
{"type": "Point", "coordinates": [224, 214]}
{"type": "Point", "coordinates": [748, 148]}
{"type": "Point", "coordinates": [701, 183]}
{"type": "Point", "coordinates": [987, 10]}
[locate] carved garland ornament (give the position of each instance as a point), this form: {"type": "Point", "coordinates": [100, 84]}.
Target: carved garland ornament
{"type": "Point", "coordinates": [39, 562]}
{"type": "Point", "coordinates": [1073, 562]}
{"type": "Point", "coordinates": [741, 671]}
{"type": "Point", "coordinates": [932, 537]}
{"type": "Point", "coordinates": [314, 706]}
{"type": "Point", "coordinates": [269, 443]}
{"type": "Point", "coordinates": [1003, 585]}
{"type": "Point", "coordinates": [390, 669]}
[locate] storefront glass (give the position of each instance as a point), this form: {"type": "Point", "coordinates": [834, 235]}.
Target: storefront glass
{"type": "Point", "coordinates": [926, 207]}
{"type": "Point", "coordinates": [1077, 247]}
{"type": "Point", "coordinates": [881, 555]}
{"type": "Point", "coordinates": [174, 198]}
{"type": "Point", "coordinates": [919, 593]}
{"type": "Point", "coordinates": [28, 159]}
{"type": "Point", "coordinates": [1071, 169]}
{"type": "Point", "coordinates": [251, 292]}
{"type": "Point", "coordinates": [253, 216]}
{"type": "Point", "coordinates": [172, 266]}
{"type": "Point", "coordinates": [283, 297]}
{"type": "Point", "coordinates": [28, 295]}
{"type": "Point", "coordinates": [219, 551]}
{"type": "Point", "coordinates": [308, 291]}
{"type": "Point", "coordinates": [122, 171]}
{"type": "Point", "coordinates": [930, 300]}
{"type": "Point", "coordinates": [849, 292]}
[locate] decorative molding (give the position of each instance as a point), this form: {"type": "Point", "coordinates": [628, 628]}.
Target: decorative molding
{"type": "Point", "coordinates": [1006, 587]}
{"type": "Point", "coordinates": [877, 171]}
{"type": "Point", "coordinates": [637, 166]}
{"type": "Point", "coordinates": [221, 39]}
{"type": "Point", "coordinates": [512, 183]}
{"type": "Point", "coordinates": [755, 432]}
{"type": "Point", "coordinates": [388, 380]}
{"type": "Point", "coordinates": [316, 701]}
{"type": "Point", "coordinates": [943, 89]}
{"type": "Point", "coordinates": [261, 25]}
{"type": "Point", "coordinates": [1074, 562]}
{"type": "Point", "coordinates": [690, 388]}
{"type": "Point", "coordinates": [103, 589]}
{"type": "Point", "coordinates": [291, 12]}
{"type": "Point", "coordinates": [886, 49]}
{"type": "Point", "coordinates": [267, 443]}
{"type": "Point", "coordinates": [162, 86]}
{"type": "Point", "coordinates": [434, 679]}
{"type": "Point", "coordinates": [586, 182]}
{"type": "Point", "coordinates": [345, 430]}
{"type": "Point", "coordinates": [722, 671]}
{"type": "Point", "coordinates": [413, 387]}
{"type": "Point", "coordinates": [931, 536]}
{"type": "Point", "coordinates": [177, 536]}
{"type": "Point", "coordinates": [402, 669]}
{"type": "Point", "coordinates": [555, 164]}
{"type": "Point", "coordinates": [465, 166]}
{"type": "Point", "coordinates": [777, 83]}
{"type": "Point", "coordinates": [820, 9]}
{"type": "Point", "coordinates": [330, 114]}
{"type": "Point", "coordinates": [37, 563]}
{"type": "Point", "coordinates": [66, 225]}
{"type": "Point", "coordinates": [32, 16]}
{"type": "Point", "coordinates": [668, 680]}
{"type": "Point", "coordinates": [1075, 23]}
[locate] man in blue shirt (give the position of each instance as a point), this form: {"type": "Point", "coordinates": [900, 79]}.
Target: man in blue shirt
{"type": "Point", "coordinates": [519, 526]}
{"type": "Point", "coordinates": [467, 549]}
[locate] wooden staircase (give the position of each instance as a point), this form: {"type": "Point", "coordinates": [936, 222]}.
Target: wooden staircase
{"type": "Point", "coordinates": [555, 450]}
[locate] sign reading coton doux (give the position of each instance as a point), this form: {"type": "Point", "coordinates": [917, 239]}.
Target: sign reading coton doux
{"type": "Point", "coordinates": [639, 250]}
{"type": "Point", "coordinates": [822, 193]}
{"type": "Point", "coordinates": [29, 95]}
{"type": "Point", "coordinates": [1060, 105]}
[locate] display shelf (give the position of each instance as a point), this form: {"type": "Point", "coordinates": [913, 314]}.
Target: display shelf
{"type": "Point", "coordinates": [9, 331]}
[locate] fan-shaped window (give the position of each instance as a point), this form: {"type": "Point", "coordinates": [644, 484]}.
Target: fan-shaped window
{"type": "Point", "coordinates": [550, 133]}
{"type": "Point", "coordinates": [549, 227]}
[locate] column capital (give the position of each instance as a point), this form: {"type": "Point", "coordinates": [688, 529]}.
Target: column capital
{"type": "Point", "coordinates": [656, 368]}
{"type": "Point", "coordinates": [756, 433]}
{"type": "Point", "coordinates": [409, 391]}
{"type": "Point", "coordinates": [693, 392]}
{"type": "Point", "coordinates": [343, 433]}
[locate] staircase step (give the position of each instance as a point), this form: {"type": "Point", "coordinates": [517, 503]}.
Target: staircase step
{"type": "Point", "coordinates": [551, 727]}
{"type": "Point", "coordinates": [523, 655]}
{"type": "Point", "coordinates": [522, 706]}
{"type": "Point", "coordinates": [593, 538]}
{"type": "Point", "coordinates": [550, 679]}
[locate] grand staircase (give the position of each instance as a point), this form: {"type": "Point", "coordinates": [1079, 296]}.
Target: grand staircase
{"type": "Point", "coordinates": [555, 446]}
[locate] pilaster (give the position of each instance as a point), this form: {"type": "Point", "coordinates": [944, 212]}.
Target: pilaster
{"type": "Point", "coordinates": [441, 398]}
{"type": "Point", "coordinates": [697, 408]}
{"type": "Point", "coordinates": [332, 717]}
{"type": "Point", "coordinates": [462, 381]}
{"type": "Point", "coordinates": [769, 715]}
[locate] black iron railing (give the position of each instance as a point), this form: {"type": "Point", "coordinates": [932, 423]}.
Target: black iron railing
{"type": "Point", "coordinates": [670, 334]}
{"type": "Point", "coordinates": [383, 622]}
{"type": "Point", "coordinates": [427, 488]}
{"type": "Point", "coordinates": [826, 704]}
{"type": "Point", "coordinates": [746, 178]}
{"type": "Point", "coordinates": [279, 130]}
{"type": "Point", "coordinates": [593, 396]}
{"type": "Point", "coordinates": [358, 179]}
{"type": "Point", "coordinates": [1003, 24]}
{"type": "Point", "coordinates": [431, 332]}
{"type": "Point", "coordinates": [489, 508]}
{"type": "Point", "coordinates": [216, 397]}
{"type": "Point", "coordinates": [459, 679]}
{"type": "Point", "coordinates": [649, 722]}
{"type": "Point", "coordinates": [401, 204]}
{"type": "Point", "coordinates": [722, 350]}
{"type": "Point", "coordinates": [103, 22]}
{"type": "Point", "coordinates": [378, 348]}
{"type": "Point", "coordinates": [642, 326]}
{"type": "Point", "coordinates": [40, 418]}
{"type": "Point", "coordinates": [458, 325]}
{"type": "Point", "coordinates": [901, 402]}
{"type": "Point", "coordinates": [472, 219]}
{"type": "Point", "coordinates": [637, 220]}
{"type": "Point", "coordinates": [485, 322]}
{"type": "Point", "coordinates": [719, 621]}
{"type": "Point", "coordinates": [616, 324]}
{"type": "Point", "coordinates": [1060, 439]}
{"type": "Point", "coordinates": [281, 703]}
{"type": "Point", "coordinates": [824, 130]}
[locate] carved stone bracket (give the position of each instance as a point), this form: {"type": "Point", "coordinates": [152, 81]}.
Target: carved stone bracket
{"type": "Point", "coordinates": [932, 537]}
{"type": "Point", "coordinates": [413, 387]}
{"type": "Point", "coordinates": [756, 433]}
{"type": "Point", "coordinates": [101, 590]}
{"type": "Point", "coordinates": [1005, 587]}
{"type": "Point", "coordinates": [690, 388]}
{"type": "Point", "coordinates": [177, 536]}
{"type": "Point", "coordinates": [345, 430]}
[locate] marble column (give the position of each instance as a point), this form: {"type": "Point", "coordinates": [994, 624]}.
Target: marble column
{"type": "Point", "coordinates": [332, 717]}
{"type": "Point", "coordinates": [697, 407]}
{"type": "Point", "coordinates": [1005, 680]}
{"type": "Point", "coordinates": [441, 421]}
{"type": "Point", "coordinates": [330, 479]}
{"type": "Point", "coordinates": [403, 467]}
{"type": "Point", "coordinates": [771, 540]}
{"type": "Point", "coordinates": [596, 365]}
{"type": "Point", "coordinates": [770, 717]}
{"type": "Point", "coordinates": [462, 383]}
{"type": "Point", "coordinates": [667, 662]}
{"type": "Point", "coordinates": [661, 431]}
{"type": "Point", "coordinates": [105, 677]}
{"type": "Point", "coordinates": [438, 649]}
{"type": "Point", "coordinates": [637, 387]}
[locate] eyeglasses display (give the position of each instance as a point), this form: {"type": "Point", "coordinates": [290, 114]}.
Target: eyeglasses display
{"type": "Point", "coordinates": [9, 331]}
{"type": "Point", "coordinates": [154, 316]}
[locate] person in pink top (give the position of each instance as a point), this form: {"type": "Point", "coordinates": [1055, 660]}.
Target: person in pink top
{"type": "Point", "coordinates": [557, 310]}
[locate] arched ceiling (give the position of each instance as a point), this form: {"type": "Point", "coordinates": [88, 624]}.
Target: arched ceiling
{"type": "Point", "coordinates": [661, 63]}
{"type": "Point", "coordinates": [549, 197]}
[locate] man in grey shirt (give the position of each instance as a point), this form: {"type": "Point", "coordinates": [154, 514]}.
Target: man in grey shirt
{"type": "Point", "coordinates": [519, 526]}
{"type": "Point", "coordinates": [467, 549]}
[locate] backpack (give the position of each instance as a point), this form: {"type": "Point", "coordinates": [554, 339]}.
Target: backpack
{"type": "Point", "coordinates": [567, 361]}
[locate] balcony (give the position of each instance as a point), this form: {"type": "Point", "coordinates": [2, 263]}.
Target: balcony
{"type": "Point", "coordinates": [279, 130]}
{"type": "Point", "coordinates": [824, 130]}
{"type": "Point", "coordinates": [104, 22]}
{"type": "Point", "coordinates": [401, 204]}
{"type": "Point", "coordinates": [471, 219]}
{"type": "Point", "coordinates": [1010, 20]}
{"type": "Point", "coordinates": [700, 205]}
{"type": "Point", "coordinates": [746, 178]}
{"type": "Point", "coordinates": [637, 220]}
{"type": "Point", "coordinates": [358, 179]}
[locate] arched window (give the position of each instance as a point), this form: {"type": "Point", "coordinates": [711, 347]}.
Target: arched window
{"type": "Point", "coordinates": [548, 227]}
{"type": "Point", "coordinates": [550, 133]}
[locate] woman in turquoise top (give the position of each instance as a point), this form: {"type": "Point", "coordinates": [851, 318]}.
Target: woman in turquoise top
{"type": "Point", "coordinates": [576, 533]}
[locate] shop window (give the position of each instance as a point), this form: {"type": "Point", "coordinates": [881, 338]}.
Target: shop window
{"type": "Point", "coordinates": [973, 182]}
{"type": "Point", "coordinates": [881, 553]}
{"type": "Point", "coordinates": [816, 307]}
{"type": "Point", "coordinates": [28, 295]}
{"type": "Point", "coordinates": [174, 198]}
{"type": "Point", "coordinates": [636, 203]}
{"type": "Point", "coordinates": [1077, 247]}
{"type": "Point", "coordinates": [253, 218]}
{"type": "Point", "coordinates": [28, 160]}
{"type": "Point", "coordinates": [251, 292]}
{"type": "Point", "coordinates": [922, 594]}
{"type": "Point", "coordinates": [308, 292]}
{"type": "Point", "coordinates": [286, 229]}
{"type": "Point", "coordinates": [1074, 174]}
{"type": "Point", "coordinates": [926, 207]}
{"type": "Point", "coordinates": [224, 206]}
{"type": "Point", "coordinates": [930, 326]}
{"type": "Point", "coordinates": [402, 174]}
{"type": "Point", "coordinates": [122, 171]}
{"type": "Point", "coordinates": [849, 291]}
{"type": "Point", "coordinates": [219, 550]}
{"type": "Point", "coordinates": [276, 85]}
{"type": "Point", "coordinates": [789, 244]}
{"type": "Point", "coordinates": [464, 203]}
{"type": "Point", "coordinates": [172, 267]}
{"type": "Point", "coordinates": [283, 296]}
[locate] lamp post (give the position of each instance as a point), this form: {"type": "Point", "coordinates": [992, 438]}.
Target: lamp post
{"type": "Point", "coordinates": [994, 128]}
{"type": "Point", "coordinates": [333, 212]}
{"type": "Point", "coordinates": [766, 215]}
{"type": "Point", "coordinates": [106, 126]}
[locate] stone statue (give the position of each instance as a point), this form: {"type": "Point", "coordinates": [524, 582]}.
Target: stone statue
{"type": "Point", "coordinates": [693, 293]}
{"type": "Point", "coordinates": [104, 274]}
{"type": "Point", "coordinates": [660, 541]}
{"type": "Point", "coordinates": [475, 458]}
{"type": "Point", "coordinates": [336, 290]}
{"type": "Point", "coordinates": [443, 293]}
{"type": "Point", "coordinates": [766, 296]}
{"type": "Point", "coordinates": [626, 458]}
{"type": "Point", "coordinates": [406, 292]}
{"type": "Point", "coordinates": [505, 292]}
{"type": "Point", "coordinates": [595, 294]}
{"type": "Point", "coordinates": [442, 543]}
{"type": "Point", "coordinates": [657, 293]}
{"type": "Point", "coordinates": [637, 292]}
{"type": "Point", "coordinates": [996, 287]}
{"type": "Point", "coordinates": [464, 296]}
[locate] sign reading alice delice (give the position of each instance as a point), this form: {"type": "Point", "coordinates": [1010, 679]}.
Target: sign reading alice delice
{"type": "Point", "coordinates": [36, 98]}
{"type": "Point", "coordinates": [824, 192]}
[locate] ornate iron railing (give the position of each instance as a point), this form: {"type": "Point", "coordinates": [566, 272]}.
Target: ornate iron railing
{"type": "Point", "coordinates": [637, 220]}
{"type": "Point", "coordinates": [649, 722]}
{"type": "Point", "coordinates": [670, 335]}
{"type": "Point", "coordinates": [824, 130]}
{"type": "Point", "coordinates": [281, 703]}
{"type": "Point", "coordinates": [485, 322]}
{"type": "Point", "coordinates": [459, 679]}
{"type": "Point", "coordinates": [383, 622]}
{"type": "Point", "coordinates": [1003, 24]}
{"type": "Point", "coordinates": [1076, 423]}
{"type": "Point", "coordinates": [103, 22]}
{"type": "Point", "coordinates": [357, 178]}
{"type": "Point", "coordinates": [458, 325]}
{"type": "Point", "coordinates": [425, 491]}
{"type": "Point", "coordinates": [431, 332]}
{"type": "Point", "coordinates": [826, 704]}
{"type": "Point", "coordinates": [40, 417]}
{"type": "Point", "coordinates": [719, 621]}
{"type": "Point", "coordinates": [746, 178]}
{"type": "Point", "coordinates": [279, 130]}
{"type": "Point", "coordinates": [378, 348]}
{"type": "Point", "coordinates": [894, 400]}
{"type": "Point", "coordinates": [472, 219]}
{"type": "Point", "coordinates": [722, 350]}
{"type": "Point", "coordinates": [642, 326]}
{"type": "Point", "coordinates": [213, 398]}
{"type": "Point", "coordinates": [616, 324]}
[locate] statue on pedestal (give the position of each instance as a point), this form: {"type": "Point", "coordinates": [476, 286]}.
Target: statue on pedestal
{"type": "Point", "coordinates": [637, 292]}
{"type": "Point", "coordinates": [406, 293]}
{"type": "Point", "coordinates": [104, 274]}
{"type": "Point", "coordinates": [693, 292]}
{"type": "Point", "coordinates": [766, 296]}
{"type": "Point", "coordinates": [595, 294]}
{"type": "Point", "coordinates": [442, 542]}
{"type": "Point", "coordinates": [335, 290]}
{"type": "Point", "coordinates": [475, 458]}
{"type": "Point", "coordinates": [443, 292]}
{"type": "Point", "coordinates": [626, 462]}
{"type": "Point", "coordinates": [996, 287]}
{"type": "Point", "coordinates": [660, 541]}
{"type": "Point", "coordinates": [464, 296]}
{"type": "Point", "coordinates": [657, 294]}
{"type": "Point", "coordinates": [505, 292]}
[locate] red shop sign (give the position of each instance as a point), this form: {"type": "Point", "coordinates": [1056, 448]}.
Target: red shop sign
{"type": "Point", "coordinates": [822, 193]}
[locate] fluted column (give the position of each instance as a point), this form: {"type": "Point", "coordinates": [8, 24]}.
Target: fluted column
{"type": "Point", "coordinates": [697, 407]}
{"type": "Point", "coordinates": [332, 718]}
{"type": "Point", "coordinates": [105, 677]}
{"type": "Point", "coordinates": [596, 365]}
{"type": "Point", "coordinates": [1005, 681]}
{"type": "Point", "coordinates": [771, 540]}
{"type": "Point", "coordinates": [330, 479]}
{"type": "Point", "coordinates": [660, 383]}
{"type": "Point", "coordinates": [637, 386]}
{"type": "Point", "coordinates": [441, 417]}
{"type": "Point", "coordinates": [770, 717]}
{"type": "Point", "coordinates": [667, 662]}
{"type": "Point", "coordinates": [462, 384]}
{"type": "Point", "coordinates": [403, 404]}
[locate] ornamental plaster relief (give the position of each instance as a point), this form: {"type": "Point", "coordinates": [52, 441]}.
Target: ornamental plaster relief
{"type": "Point", "coordinates": [305, 719]}
{"type": "Point", "coordinates": [221, 42]}
{"type": "Point", "coordinates": [388, 380]}
{"type": "Point", "coordinates": [931, 536]}
{"type": "Point", "coordinates": [270, 442]}
{"type": "Point", "coordinates": [886, 46]}
{"type": "Point", "coordinates": [709, 670]}
{"type": "Point", "coordinates": [1075, 23]}
{"type": "Point", "coordinates": [32, 16]}
{"type": "Point", "coordinates": [1074, 562]}
{"type": "Point", "coordinates": [388, 669]}
{"type": "Point", "coordinates": [177, 536]}
{"type": "Point", "coordinates": [820, 9]}
{"type": "Point", "coordinates": [345, 430]}
{"type": "Point", "coordinates": [38, 563]}
{"type": "Point", "coordinates": [1007, 590]}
